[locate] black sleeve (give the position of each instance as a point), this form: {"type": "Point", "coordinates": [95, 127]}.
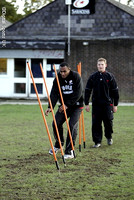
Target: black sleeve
{"type": "Point", "coordinates": [114, 91]}
{"type": "Point", "coordinates": [78, 90]}
{"type": "Point", "coordinates": [88, 90]}
{"type": "Point", "coordinates": [54, 95]}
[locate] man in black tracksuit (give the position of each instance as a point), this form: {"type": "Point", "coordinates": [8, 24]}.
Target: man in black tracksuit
{"type": "Point", "coordinates": [71, 88]}
{"type": "Point", "coordinates": [105, 98]}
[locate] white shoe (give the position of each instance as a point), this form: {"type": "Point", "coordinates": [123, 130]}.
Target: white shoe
{"type": "Point", "coordinates": [97, 145]}
{"type": "Point", "coordinates": [69, 156]}
{"type": "Point", "coordinates": [55, 150]}
{"type": "Point", "coordinates": [109, 141]}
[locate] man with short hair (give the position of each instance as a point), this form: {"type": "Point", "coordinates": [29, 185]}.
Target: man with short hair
{"type": "Point", "coordinates": [71, 88]}
{"type": "Point", "coordinates": [105, 99]}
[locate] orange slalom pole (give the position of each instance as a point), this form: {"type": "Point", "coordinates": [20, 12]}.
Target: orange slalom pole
{"type": "Point", "coordinates": [83, 128]}
{"type": "Point", "coordinates": [82, 115]}
{"type": "Point", "coordinates": [43, 115]}
{"type": "Point", "coordinates": [52, 113]}
{"type": "Point", "coordinates": [80, 134]}
{"type": "Point", "coordinates": [79, 71]}
{"type": "Point", "coordinates": [64, 110]}
{"type": "Point", "coordinates": [79, 68]}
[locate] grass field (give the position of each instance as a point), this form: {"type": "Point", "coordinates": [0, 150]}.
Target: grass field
{"type": "Point", "coordinates": [27, 171]}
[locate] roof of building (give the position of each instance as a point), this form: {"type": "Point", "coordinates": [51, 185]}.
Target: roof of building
{"type": "Point", "coordinates": [124, 7]}
{"type": "Point", "coordinates": [35, 44]}
{"type": "Point", "coordinates": [4, 23]}
{"type": "Point", "coordinates": [111, 20]}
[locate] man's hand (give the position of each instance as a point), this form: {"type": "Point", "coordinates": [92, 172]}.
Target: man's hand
{"type": "Point", "coordinates": [61, 108]}
{"type": "Point", "coordinates": [47, 111]}
{"type": "Point", "coordinates": [114, 109]}
{"type": "Point", "coordinates": [87, 108]}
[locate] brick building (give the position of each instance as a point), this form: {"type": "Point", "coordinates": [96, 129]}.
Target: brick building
{"type": "Point", "coordinates": [43, 37]}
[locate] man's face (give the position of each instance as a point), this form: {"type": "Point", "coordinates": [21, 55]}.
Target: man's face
{"type": "Point", "coordinates": [101, 65]}
{"type": "Point", "coordinates": [64, 71]}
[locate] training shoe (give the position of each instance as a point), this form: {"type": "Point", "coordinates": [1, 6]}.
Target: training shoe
{"type": "Point", "coordinates": [97, 145]}
{"type": "Point", "coordinates": [69, 156]}
{"type": "Point", "coordinates": [109, 141]}
{"type": "Point", "coordinates": [55, 149]}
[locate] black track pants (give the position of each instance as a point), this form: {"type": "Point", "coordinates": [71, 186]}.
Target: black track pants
{"type": "Point", "coordinates": [73, 115]}
{"type": "Point", "coordinates": [102, 114]}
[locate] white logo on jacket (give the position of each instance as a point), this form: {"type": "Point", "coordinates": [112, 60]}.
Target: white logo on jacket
{"type": "Point", "coordinates": [68, 89]}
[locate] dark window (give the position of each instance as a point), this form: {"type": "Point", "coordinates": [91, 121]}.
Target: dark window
{"type": "Point", "coordinates": [39, 88]}
{"type": "Point", "coordinates": [50, 71]}
{"type": "Point", "coordinates": [35, 67]}
{"type": "Point", "coordinates": [20, 88]}
{"type": "Point", "coordinates": [20, 67]}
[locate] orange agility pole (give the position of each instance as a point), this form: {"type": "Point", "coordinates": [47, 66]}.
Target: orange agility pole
{"type": "Point", "coordinates": [79, 68]}
{"type": "Point", "coordinates": [80, 134]}
{"type": "Point", "coordinates": [43, 115]}
{"type": "Point", "coordinates": [64, 110]}
{"type": "Point", "coordinates": [83, 128]}
{"type": "Point", "coordinates": [50, 103]}
{"type": "Point", "coordinates": [79, 71]}
{"type": "Point", "coordinates": [81, 118]}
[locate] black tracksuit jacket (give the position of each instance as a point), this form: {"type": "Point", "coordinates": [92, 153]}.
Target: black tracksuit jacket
{"type": "Point", "coordinates": [104, 89]}
{"type": "Point", "coordinates": [71, 88]}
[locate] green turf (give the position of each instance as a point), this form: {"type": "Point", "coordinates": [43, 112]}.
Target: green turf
{"type": "Point", "coordinates": [27, 171]}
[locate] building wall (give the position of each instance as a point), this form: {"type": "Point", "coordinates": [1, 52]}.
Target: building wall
{"type": "Point", "coordinates": [119, 54]}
